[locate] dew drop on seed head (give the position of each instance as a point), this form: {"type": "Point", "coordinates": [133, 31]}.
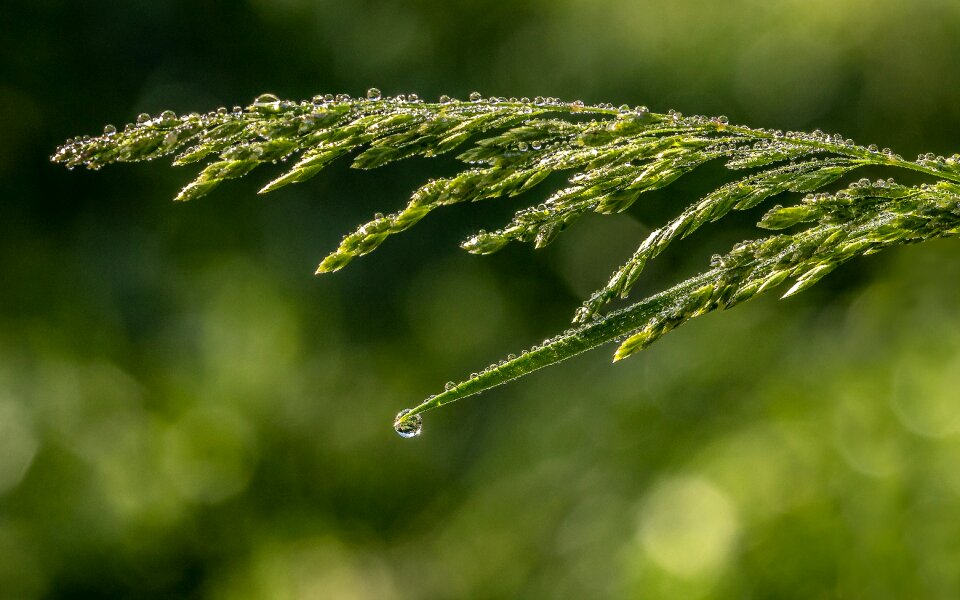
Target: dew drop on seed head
{"type": "Point", "coordinates": [475, 97]}
{"type": "Point", "coordinates": [109, 129]}
{"type": "Point", "coordinates": [445, 99]}
{"type": "Point", "coordinates": [411, 427]}
{"type": "Point", "coordinates": [143, 118]}
{"type": "Point", "coordinates": [373, 94]}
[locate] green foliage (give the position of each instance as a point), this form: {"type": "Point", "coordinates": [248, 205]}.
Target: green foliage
{"type": "Point", "coordinates": [613, 155]}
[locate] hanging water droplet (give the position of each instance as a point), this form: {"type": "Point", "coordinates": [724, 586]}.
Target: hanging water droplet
{"type": "Point", "coordinates": [373, 94]}
{"type": "Point", "coordinates": [475, 97]}
{"type": "Point", "coordinates": [109, 130]}
{"type": "Point", "coordinates": [408, 428]}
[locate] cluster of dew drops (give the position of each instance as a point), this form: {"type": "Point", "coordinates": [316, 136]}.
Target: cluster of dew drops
{"type": "Point", "coordinates": [412, 427]}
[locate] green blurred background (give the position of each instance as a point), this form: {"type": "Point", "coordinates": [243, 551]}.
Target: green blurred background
{"type": "Point", "coordinates": [186, 412]}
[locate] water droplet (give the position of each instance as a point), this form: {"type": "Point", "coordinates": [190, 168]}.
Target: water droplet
{"type": "Point", "coordinates": [475, 97]}
{"type": "Point", "coordinates": [449, 385]}
{"type": "Point", "coordinates": [143, 118]}
{"type": "Point", "coordinates": [409, 428]}
{"type": "Point", "coordinates": [109, 130]}
{"type": "Point", "coordinates": [266, 99]}
{"type": "Point", "coordinates": [445, 99]}
{"type": "Point", "coordinates": [373, 94]}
